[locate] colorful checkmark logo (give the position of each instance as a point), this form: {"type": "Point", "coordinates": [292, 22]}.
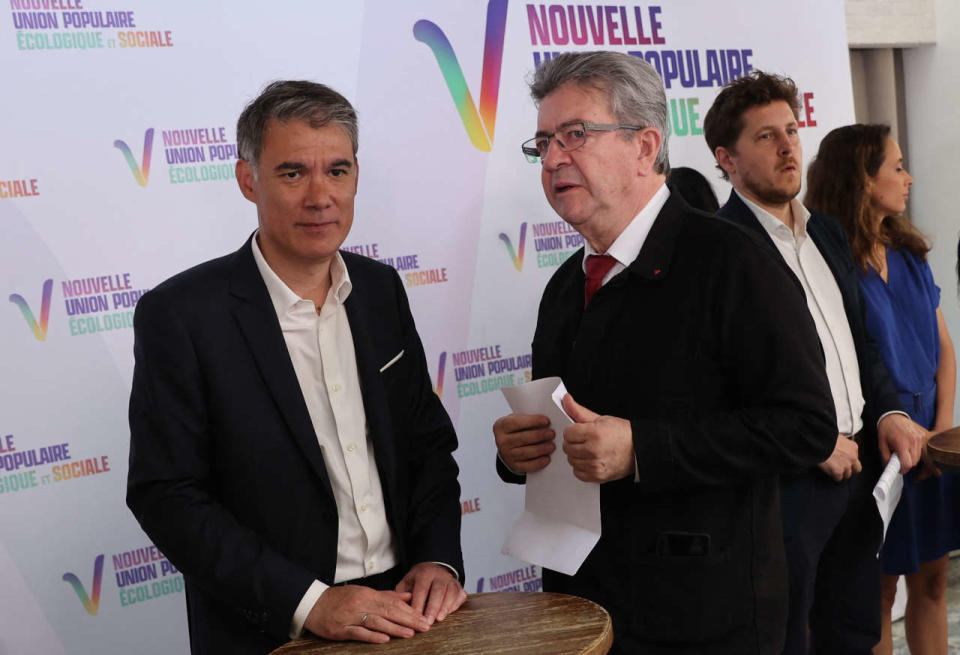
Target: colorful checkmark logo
{"type": "Point", "coordinates": [39, 328]}
{"type": "Point", "coordinates": [479, 124]}
{"type": "Point", "coordinates": [91, 603]}
{"type": "Point", "coordinates": [440, 370]}
{"type": "Point", "coordinates": [141, 173]}
{"type": "Point", "coordinates": [516, 256]}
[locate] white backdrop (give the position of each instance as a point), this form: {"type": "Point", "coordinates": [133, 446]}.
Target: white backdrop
{"type": "Point", "coordinates": [445, 196]}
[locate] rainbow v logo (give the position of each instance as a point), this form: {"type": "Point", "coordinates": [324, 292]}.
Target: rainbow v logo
{"type": "Point", "coordinates": [517, 257]}
{"type": "Point", "coordinates": [443, 363]}
{"type": "Point", "coordinates": [140, 173]}
{"type": "Point", "coordinates": [91, 603]}
{"type": "Point", "coordinates": [479, 126]}
{"type": "Point", "coordinates": [39, 329]}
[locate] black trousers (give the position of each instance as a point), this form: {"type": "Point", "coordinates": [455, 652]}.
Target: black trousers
{"type": "Point", "coordinates": [832, 532]}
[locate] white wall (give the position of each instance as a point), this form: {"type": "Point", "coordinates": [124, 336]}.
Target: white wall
{"type": "Point", "coordinates": [932, 95]}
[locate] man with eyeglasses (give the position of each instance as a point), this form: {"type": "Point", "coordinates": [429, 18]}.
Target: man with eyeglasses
{"type": "Point", "coordinates": [694, 372]}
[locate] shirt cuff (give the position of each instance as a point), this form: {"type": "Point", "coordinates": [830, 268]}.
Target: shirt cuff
{"type": "Point", "coordinates": [886, 414]}
{"type": "Point", "coordinates": [456, 576]}
{"type": "Point", "coordinates": [303, 609]}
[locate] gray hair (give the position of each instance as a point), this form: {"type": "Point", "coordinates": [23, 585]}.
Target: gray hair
{"type": "Point", "coordinates": [285, 100]}
{"type": "Point", "coordinates": [633, 89]}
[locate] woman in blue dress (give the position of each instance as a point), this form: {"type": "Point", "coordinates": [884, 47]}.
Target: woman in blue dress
{"type": "Point", "coordinates": [858, 176]}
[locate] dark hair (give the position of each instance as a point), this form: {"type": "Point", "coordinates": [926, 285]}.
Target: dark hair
{"type": "Point", "coordinates": [837, 184]}
{"type": "Point", "coordinates": [724, 121]}
{"type": "Point", "coordinates": [693, 187]}
{"type": "Point", "coordinates": [633, 89]}
{"type": "Point", "coordinates": [286, 100]}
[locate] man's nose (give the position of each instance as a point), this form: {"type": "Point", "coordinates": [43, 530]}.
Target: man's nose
{"type": "Point", "coordinates": [555, 156]}
{"type": "Point", "coordinates": [786, 144]}
{"type": "Point", "coordinates": [318, 192]}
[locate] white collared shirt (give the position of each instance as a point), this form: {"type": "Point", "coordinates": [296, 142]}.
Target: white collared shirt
{"type": "Point", "coordinates": [627, 245]}
{"type": "Point", "coordinates": [826, 308]}
{"type": "Point", "coordinates": [320, 345]}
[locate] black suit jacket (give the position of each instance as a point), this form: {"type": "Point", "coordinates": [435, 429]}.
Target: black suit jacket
{"type": "Point", "coordinates": [879, 394]}
{"type": "Point", "coordinates": [705, 344]}
{"type": "Point", "coordinates": [226, 474]}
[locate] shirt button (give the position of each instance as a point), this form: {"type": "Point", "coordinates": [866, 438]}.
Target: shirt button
{"type": "Point", "coordinates": [364, 507]}
{"type": "Point", "coordinates": [335, 388]}
{"type": "Point", "coordinates": [370, 564]}
{"type": "Point", "coordinates": [351, 448]}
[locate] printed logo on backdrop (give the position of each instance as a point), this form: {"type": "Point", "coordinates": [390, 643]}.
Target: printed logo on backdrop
{"type": "Point", "coordinates": [481, 370]}
{"type": "Point", "coordinates": [92, 305]}
{"type": "Point", "coordinates": [410, 266]}
{"type": "Point", "coordinates": [479, 122]}
{"type": "Point", "coordinates": [142, 574]}
{"type": "Point", "coordinates": [553, 242]}
{"type": "Point", "coordinates": [529, 578]}
{"type": "Point", "coordinates": [91, 603]}
{"type": "Point", "coordinates": [23, 188]}
{"type": "Point", "coordinates": [192, 155]}
{"type": "Point", "coordinates": [75, 25]}
{"type": "Point", "coordinates": [25, 469]}
{"type": "Point", "coordinates": [644, 31]}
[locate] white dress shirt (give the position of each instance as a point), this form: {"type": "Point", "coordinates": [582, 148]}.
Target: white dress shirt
{"type": "Point", "coordinates": [320, 345]}
{"type": "Point", "coordinates": [627, 245]}
{"type": "Point", "coordinates": [826, 308]}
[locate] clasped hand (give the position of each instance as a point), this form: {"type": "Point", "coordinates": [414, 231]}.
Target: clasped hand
{"type": "Point", "coordinates": [598, 448]}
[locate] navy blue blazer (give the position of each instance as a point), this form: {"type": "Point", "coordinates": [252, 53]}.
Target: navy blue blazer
{"type": "Point", "coordinates": [226, 474]}
{"type": "Point", "coordinates": [828, 235]}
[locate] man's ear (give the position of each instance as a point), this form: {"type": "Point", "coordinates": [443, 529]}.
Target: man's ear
{"type": "Point", "coordinates": [245, 180]}
{"type": "Point", "coordinates": [725, 159]}
{"type": "Point", "coordinates": [649, 141]}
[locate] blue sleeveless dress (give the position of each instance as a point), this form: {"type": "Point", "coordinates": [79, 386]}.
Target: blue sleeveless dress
{"type": "Point", "coordinates": [901, 316]}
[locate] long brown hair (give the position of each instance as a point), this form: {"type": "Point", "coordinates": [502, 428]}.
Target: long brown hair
{"type": "Point", "coordinates": [837, 185]}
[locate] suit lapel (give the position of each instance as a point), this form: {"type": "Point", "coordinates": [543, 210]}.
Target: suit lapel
{"type": "Point", "coordinates": [258, 322]}
{"type": "Point", "coordinates": [737, 211]}
{"type": "Point", "coordinates": [363, 318]}
{"type": "Point", "coordinates": [656, 256]}
{"type": "Point", "coordinates": [829, 254]}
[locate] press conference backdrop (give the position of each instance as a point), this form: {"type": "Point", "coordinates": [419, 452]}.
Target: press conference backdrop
{"type": "Point", "coordinates": [116, 171]}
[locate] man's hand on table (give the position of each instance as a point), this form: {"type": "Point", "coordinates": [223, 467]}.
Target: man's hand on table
{"type": "Point", "coordinates": [364, 614]}
{"type": "Point", "coordinates": [436, 593]}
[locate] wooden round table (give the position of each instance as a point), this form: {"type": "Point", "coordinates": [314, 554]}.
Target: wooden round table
{"type": "Point", "coordinates": [506, 623]}
{"type": "Point", "coordinates": [944, 450]}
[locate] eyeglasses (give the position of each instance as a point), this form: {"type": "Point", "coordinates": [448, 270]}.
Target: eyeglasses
{"type": "Point", "coordinates": [569, 137]}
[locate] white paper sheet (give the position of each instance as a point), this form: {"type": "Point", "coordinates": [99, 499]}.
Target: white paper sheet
{"type": "Point", "coordinates": [888, 490]}
{"type": "Point", "coordinates": [560, 523]}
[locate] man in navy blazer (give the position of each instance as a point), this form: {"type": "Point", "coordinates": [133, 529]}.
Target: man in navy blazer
{"type": "Point", "coordinates": [288, 453]}
{"type": "Point", "coordinates": [832, 530]}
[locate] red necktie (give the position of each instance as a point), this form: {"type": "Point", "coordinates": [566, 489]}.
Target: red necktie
{"type": "Point", "coordinates": [597, 267]}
